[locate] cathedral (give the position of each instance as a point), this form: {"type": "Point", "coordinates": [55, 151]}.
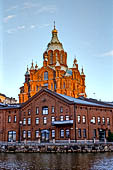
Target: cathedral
{"type": "Point", "coordinates": [54, 74]}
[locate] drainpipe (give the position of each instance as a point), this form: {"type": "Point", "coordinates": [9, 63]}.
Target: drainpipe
{"type": "Point", "coordinates": [88, 121]}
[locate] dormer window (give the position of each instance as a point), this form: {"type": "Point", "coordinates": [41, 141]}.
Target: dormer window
{"type": "Point", "coordinates": [45, 75]}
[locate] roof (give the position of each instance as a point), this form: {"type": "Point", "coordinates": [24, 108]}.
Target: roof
{"type": "Point", "coordinates": [2, 95]}
{"type": "Point", "coordinates": [86, 101]}
{"type": "Point", "coordinates": [67, 99]}
{"type": "Point", "coordinates": [9, 106]}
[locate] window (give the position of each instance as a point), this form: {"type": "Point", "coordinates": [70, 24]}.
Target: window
{"type": "Point", "coordinates": [98, 120]}
{"type": "Point", "coordinates": [94, 133]}
{"type": "Point", "coordinates": [53, 109]}
{"type": "Point", "coordinates": [29, 134]}
{"type": "Point", "coordinates": [51, 86]}
{"type": "Point", "coordinates": [37, 133]}
{"type": "Point", "coordinates": [29, 112]}
{"type": "Point", "coordinates": [24, 121]}
{"type": "Point", "coordinates": [14, 119]}
{"type": "Point", "coordinates": [45, 120]}
{"type": "Point", "coordinates": [84, 133]}
{"type": "Point", "coordinates": [29, 121]}
{"type": "Point", "coordinates": [61, 58]}
{"type": "Point", "coordinates": [103, 121]}
{"type": "Point", "coordinates": [45, 75]}
{"type": "Point", "coordinates": [61, 109]}
{"type": "Point", "coordinates": [79, 133]}
{"type": "Point", "coordinates": [93, 119]}
{"type": "Point", "coordinates": [45, 110]}
{"type": "Point", "coordinates": [67, 117]}
{"type": "Point", "coordinates": [37, 110]}
{"type": "Point", "coordinates": [62, 133]}
{"type": "Point", "coordinates": [24, 134]}
{"type": "Point", "coordinates": [46, 85]}
{"type": "Point", "coordinates": [11, 136]}
{"type": "Point", "coordinates": [36, 88]}
{"type": "Point", "coordinates": [108, 121]}
{"type": "Point", "coordinates": [67, 133]}
{"type": "Point", "coordinates": [78, 118]}
{"type": "Point", "coordinates": [64, 85]}
{"type": "Point", "coordinates": [51, 58]}
{"type": "Point", "coordinates": [55, 86]}
{"type": "Point", "coordinates": [52, 118]}
{"type": "Point", "coordinates": [9, 119]}
{"type": "Point", "coordinates": [37, 120]}
{"type": "Point", "coordinates": [53, 133]}
{"type": "Point", "coordinates": [84, 119]}
{"type": "Point", "coordinates": [61, 118]}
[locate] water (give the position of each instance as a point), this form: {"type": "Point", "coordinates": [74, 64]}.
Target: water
{"type": "Point", "coordinates": [56, 161]}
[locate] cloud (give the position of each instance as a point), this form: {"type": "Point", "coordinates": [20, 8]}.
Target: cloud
{"type": "Point", "coordinates": [11, 8]}
{"type": "Point", "coordinates": [6, 19]}
{"type": "Point", "coordinates": [32, 26]}
{"type": "Point", "coordinates": [11, 31]}
{"type": "Point", "coordinates": [28, 5]}
{"type": "Point", "coordinates": [50, 9]}
{"type": "Point", "coordinates": [44, 25]}
{"type": "Point", "coordinates": [109, 53]}
{"type": "Point", "coordinates": [22, 27]}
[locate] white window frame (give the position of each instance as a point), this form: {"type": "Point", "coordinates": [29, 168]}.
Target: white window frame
{"type": "Point", "coordinates": [61, 118]}
{"type": "Point", "coordinates": [45, 110]}
{"type": "Point", "coordinates": [37, 120]}
{"type": "Point", "coordinates": [29, 121]}
{"type": "Point", "coordinates": [28, 134]}
{"type": "Point", "coordinates": [44, 120]}
{"type": "Point", "coordinates": [53, 133]}
{"type": "Point", "coordinates": [24, 121]}
{"type": "Point", "coordinates": [84, 119]}
{"type": "Point", "coordinates": [67, 117]}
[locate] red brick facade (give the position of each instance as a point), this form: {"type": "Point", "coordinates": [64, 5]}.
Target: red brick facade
{"type": "Point", "coordinates": [49, 116]}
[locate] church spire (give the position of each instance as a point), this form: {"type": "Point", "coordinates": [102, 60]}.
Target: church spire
{"type": "Point", "coordinates": [32, 66]}
{"type": "Point", "coordinates": [82, 71]}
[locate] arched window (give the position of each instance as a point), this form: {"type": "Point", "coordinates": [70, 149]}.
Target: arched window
{"type": "Point", "coordinates": [51, 58]}
{"type": "Point", "coordinates": [61, 58]}
{"type": "Point", "coordinates": [64, 85]}
{"type": "Point", "coordinates": [51, 86]}
{"type": "Point", "coordinates": [45, 75]}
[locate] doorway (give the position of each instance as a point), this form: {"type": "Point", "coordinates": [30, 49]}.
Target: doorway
{"type": "Point", "coordinates": [45, 135]}
{"type": "Point", "coordinates": [102, 135]}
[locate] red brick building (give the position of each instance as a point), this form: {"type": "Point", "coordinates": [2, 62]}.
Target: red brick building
{"type": "Point", "coordinates": [52, 117]}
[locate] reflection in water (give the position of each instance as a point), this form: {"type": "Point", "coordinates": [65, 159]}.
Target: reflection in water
{"type": "Point", "coordinates": [77, 161]}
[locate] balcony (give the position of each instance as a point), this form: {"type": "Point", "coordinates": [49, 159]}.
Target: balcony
{"type": "Point", "coordinates": [65, 122]}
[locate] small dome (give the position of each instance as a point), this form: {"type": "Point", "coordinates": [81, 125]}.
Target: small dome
{"type": "Point", "coordinates": [54, 31]}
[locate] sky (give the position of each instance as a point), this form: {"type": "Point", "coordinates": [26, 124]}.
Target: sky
{"type": "Point", "coordinates": [85, 28]}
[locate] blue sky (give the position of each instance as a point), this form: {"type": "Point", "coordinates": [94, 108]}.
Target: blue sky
{"type": "Point", "coordinates": [85, 27]}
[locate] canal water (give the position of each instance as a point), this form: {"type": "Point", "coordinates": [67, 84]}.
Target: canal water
{"type": "Point", "coordinates": [56, 161]}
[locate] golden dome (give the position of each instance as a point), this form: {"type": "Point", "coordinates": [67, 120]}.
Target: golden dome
{"type": "Point", "coordinates": [54, 31]}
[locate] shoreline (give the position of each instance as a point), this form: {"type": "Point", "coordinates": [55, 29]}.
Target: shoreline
{"type": "Point", "coordinates": [56, 148]}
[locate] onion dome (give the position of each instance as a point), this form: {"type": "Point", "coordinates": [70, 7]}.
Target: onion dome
{"type": "Point", "coordinates": [54, 43]}
{"type": "Point", "coordinates": [36, 66]}
{"type": "Point", "coordinates": [32, 66]}
{"type": "Point", "coordinates": [27, 72]}
{"type": "Point", "coordinates": [74, 62]}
